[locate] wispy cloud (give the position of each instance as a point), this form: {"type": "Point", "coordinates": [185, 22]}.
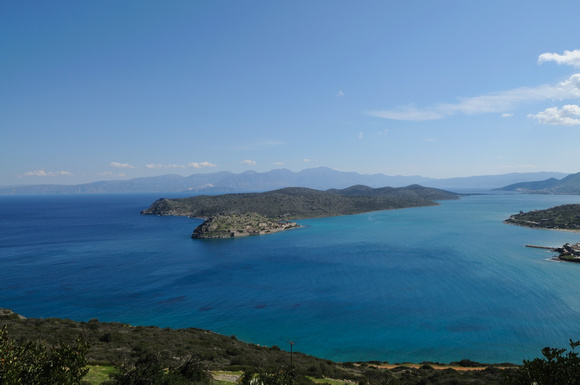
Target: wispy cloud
{"type": "Point", "coordinates": [519, 166]}
{"type": "Point", "coordinates": [48, 173]}
{"type": "Point", "coordinates": [339, 94]}
{"type": "Point", "coordinates": [120, 165]}
{"type": "Point", "coordinates": [568, 115]}
{"type": "Point", "coordinates": [383, 133]}
{"type": "Point", "coordinates": [159, 166]}
{"type": "Point", "coordinates": [248, 162]}
{"type": "Point", "coordinates": [109, 173]}
{"type": "Point", "coordinates": [568, 58]}
{"type": "Point", "coordinates": [496, 102]}
{"type": "Point", "coordinates": [200, 165]}
{"type": "Point", "coordinates": [507, 115]}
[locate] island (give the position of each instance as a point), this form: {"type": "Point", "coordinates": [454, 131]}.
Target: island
{"type": "Point", "coordinates": [239, 225]}
{"type": "Point", "coordinates": [243, 214]}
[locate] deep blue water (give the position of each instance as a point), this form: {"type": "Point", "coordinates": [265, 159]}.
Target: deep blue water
{"type": "Point", "coordinates": [436, 283]}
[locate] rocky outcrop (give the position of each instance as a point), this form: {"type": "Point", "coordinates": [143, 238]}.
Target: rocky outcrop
{"type": "Point", "coordinates": [239, 225]}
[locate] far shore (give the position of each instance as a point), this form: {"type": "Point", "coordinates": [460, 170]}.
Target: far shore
{"type": "Point", "coordinates": [541, 228]}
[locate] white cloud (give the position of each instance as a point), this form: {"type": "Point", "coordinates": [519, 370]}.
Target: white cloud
{"type": "Point", "coordinates": [109, 173]}
{"type": "Point", "coordinates": [249, 162]}
{"type": "Point", "coordinates": [306, 160]}
{"type": "Point", "coordinates": [340, 93]}
{"type": "Point", "coordinates": [48, 173]}
{"type": "Point", "coordinates": [360, 135]}
{"type": "Point", "coordinates": [278, 163]}
{"type": "Point", "coordinates": [159, 166]}
{"type": "Point", "coordinates": [120, 165]}
{"type": "Point", "coordinates": [519, 166]}
{"type": "Point", "coordinates": [568, 58]}
{"type": "Point", "coordinates": [383, 133]}
{"type": "Point", "coordinates": [496, 102]}
{"type": "Point", "coordinates": [200, 165]}
{"type": "Point", "coordinates": [569, 115]}
{"type": "Point", "coordinates": [507, 115]}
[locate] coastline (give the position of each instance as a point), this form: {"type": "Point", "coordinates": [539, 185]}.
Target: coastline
{"type": "Point", "coordinates": [541, 228]}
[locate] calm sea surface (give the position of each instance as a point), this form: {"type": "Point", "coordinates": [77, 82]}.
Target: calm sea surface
{"type": "Point", "coordinates": [424, 284]}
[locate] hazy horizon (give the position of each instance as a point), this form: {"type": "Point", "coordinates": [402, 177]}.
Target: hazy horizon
{"type": "Point", "coordinates": [95, 91]}
{"type": "Point", "coordinates": [208, 172]}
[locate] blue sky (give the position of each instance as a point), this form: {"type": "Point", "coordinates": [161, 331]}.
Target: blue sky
{"type": "Point", "coordinates": [98, 90]}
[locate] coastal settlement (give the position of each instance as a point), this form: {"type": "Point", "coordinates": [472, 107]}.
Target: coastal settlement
{"type": "Point", "coordinates": [239, 225]}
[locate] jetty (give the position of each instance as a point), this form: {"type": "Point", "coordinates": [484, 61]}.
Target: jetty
{"type": "Point", "coordinates": [568, 252]}
{"type": "Point", "coordinates": [542, 247]}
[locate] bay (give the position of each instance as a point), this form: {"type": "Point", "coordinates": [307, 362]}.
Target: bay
{"type": "Point", "coordinates": [436, 283]}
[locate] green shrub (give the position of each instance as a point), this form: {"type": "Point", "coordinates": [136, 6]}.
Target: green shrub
{"type": "Point", "coordinates": [33, 363]}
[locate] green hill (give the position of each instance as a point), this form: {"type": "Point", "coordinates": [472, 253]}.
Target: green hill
{"type": "Point", "coordinates": [564, 217]}
{"type": "Point", "coordinates": [299, 203]}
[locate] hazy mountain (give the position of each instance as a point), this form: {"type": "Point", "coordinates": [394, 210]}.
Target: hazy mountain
{"type": "Point", "coordinates": [489, 182]}
{"type": "Point", "coordinates": [567, 185]}
{"type": "Point", "coordinates": [321, 178]}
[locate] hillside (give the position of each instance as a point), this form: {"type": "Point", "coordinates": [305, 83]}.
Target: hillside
{"type": "Point", "coordinates": [114, 343]}
{"type": "Point", "coordinates": [564, 217]}
{"type": "Point", "coordinates": [297, 202]}
{"type": "Point", "coordinates": [567, 185]}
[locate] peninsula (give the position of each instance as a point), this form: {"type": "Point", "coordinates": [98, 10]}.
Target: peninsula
{"type": "Point", "coordinates": [564, 217]}
{"type": "Point", "coordinates": [234, 215]}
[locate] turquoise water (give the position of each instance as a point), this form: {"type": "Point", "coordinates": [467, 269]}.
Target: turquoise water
{"type": "Point", "coordinates": [423, 284]}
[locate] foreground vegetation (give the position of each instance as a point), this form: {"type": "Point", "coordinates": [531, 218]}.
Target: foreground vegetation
{"type": "Point", "coordinates": [300, 203]}
{"type": "Point", "coordinates": [57, 351]}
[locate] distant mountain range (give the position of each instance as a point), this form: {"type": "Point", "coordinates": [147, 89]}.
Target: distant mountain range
{"type": "Point", "coordinates": [321, 178]}
{"type": "Point", "coordinates": [567, 185]}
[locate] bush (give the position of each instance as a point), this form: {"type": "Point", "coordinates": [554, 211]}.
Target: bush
{"type": "Point", "coordinates": [556, 368]}
{"type": "Point", "coordinates": [34, 363]}
{"type": "Point", "coordinates": [151, 369]}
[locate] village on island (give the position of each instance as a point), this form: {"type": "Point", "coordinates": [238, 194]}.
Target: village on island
{"type": "Point", "coordinates": [239, 225]}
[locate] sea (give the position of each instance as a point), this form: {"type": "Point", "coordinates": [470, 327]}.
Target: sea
{"type": "Point", "coordinates": [439, 284]}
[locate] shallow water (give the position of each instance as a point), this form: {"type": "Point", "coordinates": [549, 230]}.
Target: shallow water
{"type": "Point", "coordinates": [423, 284]}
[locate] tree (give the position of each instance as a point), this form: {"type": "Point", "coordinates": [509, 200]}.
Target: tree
{"type": "Point", "coordinates": [34, 363]}
{"type": "Point", "coordinates": [556, 368]}
{"type": "Point", "coordinates": [150, 369]}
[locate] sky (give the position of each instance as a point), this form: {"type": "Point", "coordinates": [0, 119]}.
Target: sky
{"type": "Point", "coordinates": [103, 90]}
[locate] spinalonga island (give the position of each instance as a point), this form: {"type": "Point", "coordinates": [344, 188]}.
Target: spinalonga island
{"type": "Point", "coordinates": [564, 217]}
{"type": "Point", "coordinates": [239, 225]}
{"type": "Point", "coordinates": [244, 214]}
